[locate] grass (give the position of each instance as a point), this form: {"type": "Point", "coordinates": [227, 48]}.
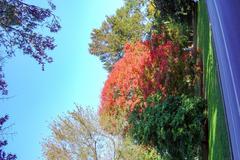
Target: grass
{"type": "Point", "coordinates": [218, 137]}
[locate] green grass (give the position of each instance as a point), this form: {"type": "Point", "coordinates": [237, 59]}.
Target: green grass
{"type": "Point", "coordinates": [218, 139]}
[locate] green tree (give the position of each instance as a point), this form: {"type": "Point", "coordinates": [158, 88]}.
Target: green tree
{"type": "Point", "coordinates": [127, 25]}
{"type": "Point", "coordinates": [179, 10]}
{"type": "Point", "coordinates": [176, 127]}
{"type": "Point", "coordinates": [127, 150]}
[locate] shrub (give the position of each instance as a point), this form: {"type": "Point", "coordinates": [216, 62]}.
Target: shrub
{"type": "Point", "coordinates": [175, 126]}
{"type": "Point", "coordinates": [147, 67]}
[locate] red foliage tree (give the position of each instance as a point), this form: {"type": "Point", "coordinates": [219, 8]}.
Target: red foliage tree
{"type": "Point", "coordinates": [146, 68]}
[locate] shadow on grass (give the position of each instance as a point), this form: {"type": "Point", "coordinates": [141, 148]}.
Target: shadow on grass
{"type": "Point", "coordinates": [218, 139]}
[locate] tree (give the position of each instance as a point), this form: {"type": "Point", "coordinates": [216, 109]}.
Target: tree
{"type": "Point", "coordinates": [176, 126]}
{"type": "Point", "coordinates": [79, 136]}
{"type": "Point", "coordinates": [179, 10]}
{"type": "Point", "coordinates": [3, 143]}
{"type": "Point", "coordinates": [179, 19]}
{"type": "Point", "coordinates": [146, 68]}
{"type": "Point", "coordinates": [128, 150]}
{"type": "Point", "coordinates": [127, 25]}
{"type": "Point", "coordinates": [20, 25]}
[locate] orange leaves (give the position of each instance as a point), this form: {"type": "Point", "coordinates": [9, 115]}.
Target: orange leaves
{"type": "Point", "coordinates": [142, 71]}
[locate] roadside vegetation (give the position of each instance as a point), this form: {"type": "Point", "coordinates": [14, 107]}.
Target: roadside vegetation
{"type": "Point", "coordinates": [153, 99]}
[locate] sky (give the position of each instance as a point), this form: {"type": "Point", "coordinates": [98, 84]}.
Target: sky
{"type": "Point", "coordinates": [75, 76]}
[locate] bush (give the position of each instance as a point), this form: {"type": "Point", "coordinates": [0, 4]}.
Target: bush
{"type": "Point", "coordinates": [127, 150]}
{"type": "Point", "coordinates": [175, 126]}
{"type": "Point", "coordinates": [146, 68]}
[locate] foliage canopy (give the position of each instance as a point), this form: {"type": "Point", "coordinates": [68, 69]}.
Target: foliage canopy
{"type": "Point", "coordinates": [126, 26]}
{"type": "Point", "coordinates": [175, 126]}
{"type": "Point", "coordinates": [146, 68]}
{"type": "Point", "coordinates": [78, 136]}
{"type": "Point", "coordinates": [179, 10]}
{"type": "Point", "coordinates": [20, 25]}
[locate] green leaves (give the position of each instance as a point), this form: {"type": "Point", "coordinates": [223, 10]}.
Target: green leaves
{"type": "Point", "coordinates": [180, 10]}
{"type": "Point", "coordinates": [126, 26]}
{"type": "Point", "coordinates": [175, 126]}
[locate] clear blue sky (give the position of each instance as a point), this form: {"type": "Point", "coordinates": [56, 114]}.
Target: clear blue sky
{"type": "Point", "coordinates": [74, 77]}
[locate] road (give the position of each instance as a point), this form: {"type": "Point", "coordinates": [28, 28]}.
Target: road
{"type": "Point", "coordinates": [225, 23]}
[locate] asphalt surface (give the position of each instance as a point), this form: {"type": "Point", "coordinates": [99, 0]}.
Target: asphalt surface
{"type": "Point", "coordinates": [225, 23]}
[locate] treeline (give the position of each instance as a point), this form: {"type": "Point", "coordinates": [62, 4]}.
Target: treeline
{"type": "Point", "coordinates": [152, 104]}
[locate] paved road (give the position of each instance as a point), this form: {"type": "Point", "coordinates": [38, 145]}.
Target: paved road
{"type": "Point", "coordinates": [225, 20]}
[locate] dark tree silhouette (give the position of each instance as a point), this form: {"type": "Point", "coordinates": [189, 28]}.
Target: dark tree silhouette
{"type": "Point", "coordinates": [3, 154]}
{"type": "Point", "coordinates": [20, 25]}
